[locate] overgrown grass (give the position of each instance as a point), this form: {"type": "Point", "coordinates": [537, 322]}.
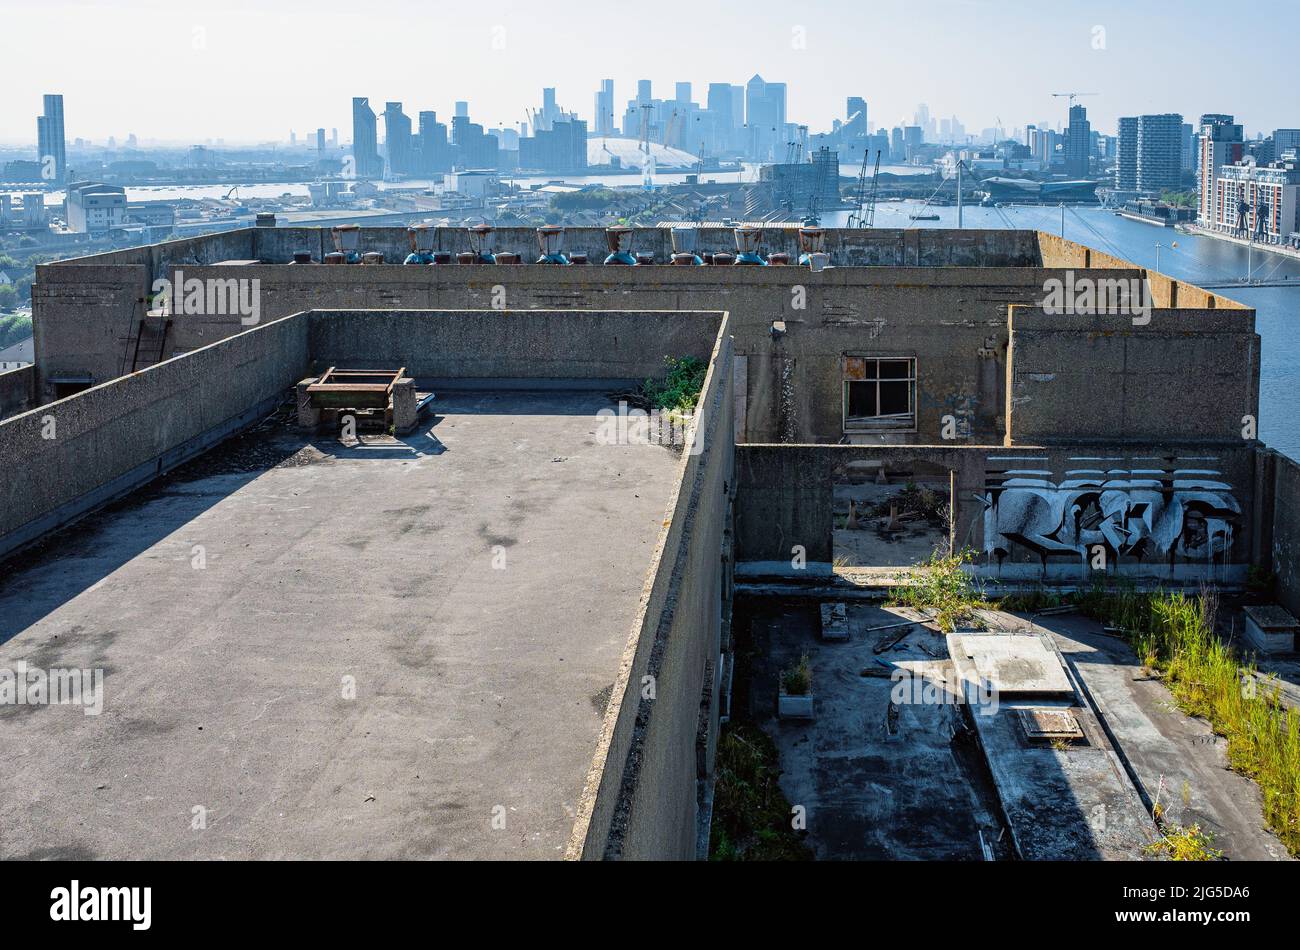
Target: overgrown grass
{"type": "Point", "coordinates": [797, 681]}
{"type": "Point", "coordinates": [1173, 635]}
{"type": "Point", "coordinates": [1185, 844]}
{"type": "Point", "coordinates": [752, 819]}
{"type": "Point", "coordinates": [942, 585]}
{"type": "Point", "coordinates": [680, 389]}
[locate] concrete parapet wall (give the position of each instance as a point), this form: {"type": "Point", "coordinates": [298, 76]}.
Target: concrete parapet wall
{"type": "Point", "coordinates": [1183, 375]}
{"type": "Point", "coordinates": [1058, 252]}
{"type": "Point", "coordinates": [939, 297]}
{"type": "Point", "coordinates": [640, 797]}
{"type": "Point", "coordinates": [891, 247]}
{"type": "Point", "coordinates": [1285, 554]}
{"type": "Point", "coordinates": [529, 344]}
{"type": "Point", "coordinates": [1169, 512]}
{"type": "Point", "coordinates": [17, 389]}
{"type": "Point", "coordinates": [65, 458]}
{"type": "Point", "coordinates": [952, 320]}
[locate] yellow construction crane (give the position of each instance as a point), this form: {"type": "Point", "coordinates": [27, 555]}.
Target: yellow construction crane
{"type": "Point", "coordinates": [1071, 95]}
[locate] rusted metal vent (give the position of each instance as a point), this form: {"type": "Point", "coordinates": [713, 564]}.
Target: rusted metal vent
{"type": "Point", "coordinates": [354, 388]}
{"type": "Point", "coordinates": [1049, 723]}
{"type": "Point", "coordinates": [347, 241]}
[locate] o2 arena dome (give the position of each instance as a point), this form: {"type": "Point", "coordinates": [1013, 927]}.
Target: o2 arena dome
{"type": "Point", "coordinates": [602, 150]}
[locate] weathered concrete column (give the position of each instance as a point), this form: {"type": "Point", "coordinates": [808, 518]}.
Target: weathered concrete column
{"type": "Point", "coordinates": [404, 402]}
{"type": "Point", "coordinates": [308, 415]}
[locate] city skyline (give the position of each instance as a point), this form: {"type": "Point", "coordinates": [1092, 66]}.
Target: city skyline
{"type": "Point", "coordinates": [499, 68]}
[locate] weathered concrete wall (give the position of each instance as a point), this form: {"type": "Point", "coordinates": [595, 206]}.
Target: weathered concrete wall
{"type": "Point", "coordinates": [1167, 511]}
{"type": "Point", "coordinates": [640, 798]}
{"type": "Point", "coordinates": [83, 319]}
{"type": "Point", "coordinates": [65, 458]}
{"type": "Point", "coordinates": [916, 247]}
{"type": "Point", "coordinates": [1058, 252]}
{"type": "Point", "coordinates": [526, 344]}
{"type": "Point", "coordinates": [940, 297]}
{"type": "Point", "coordinates": [17, 388]}
{"type": "Point", "coordinates": [1285, 487]}
{"type": "Point", "coordinates": [1186, 375]}
{"type": "Point", "coordinates": [952, 320]}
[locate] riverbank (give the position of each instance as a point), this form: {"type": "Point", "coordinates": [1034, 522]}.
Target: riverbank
{"type": "Point", "coordinates": [1285, 250]}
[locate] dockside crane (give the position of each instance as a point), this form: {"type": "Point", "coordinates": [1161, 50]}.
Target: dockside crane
{"type": "Point", "coordinates": [865, 216]}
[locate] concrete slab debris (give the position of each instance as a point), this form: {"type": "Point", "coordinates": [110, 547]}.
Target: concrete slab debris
{"type": "Point", "coordinates": [1009, 664]}
{"type": "Point", "coordinates": [835, 621]}
{"type": "Point", "coordinates": [1271, 629]}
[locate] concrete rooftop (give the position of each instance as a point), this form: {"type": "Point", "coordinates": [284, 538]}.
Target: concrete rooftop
{"type": "Point", "coordinates": [479, 691]}
{"type": "Point", "coordinates": [887, 780]}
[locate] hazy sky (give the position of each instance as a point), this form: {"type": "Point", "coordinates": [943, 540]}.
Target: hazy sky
{"type": "Point", "coordinates": [180, 70]}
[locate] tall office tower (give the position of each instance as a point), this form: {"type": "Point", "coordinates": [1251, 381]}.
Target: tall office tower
{"type": "Point", "coordinates": [913, 139]}
{"type": "Point", "coordinates": [462, 110]}
{"type": "Point", "coordinates": [365, 140]}
{"type": "Point", "coordinates": [475, 149]}
{"type": "Point", "coordinates": [1187, 139]}
{"type": "Point", "coordinates": [765, 117]}
{"type": "Point", "coordinates": [855, 114]}
{"type": "Point", "coordinates": [51, 146]}
{"type": "Point", "coordinates": [1286, 140]}
{"type": "Point", "coordinates": [1078, 143]}
{"type": "Point", "coordinates": [550, 111]}
{"type": "Point", "coordinates": [682, 91]}
{"type": "Point", "coordinates": [897, 151]}
{"type": "Point", "coordinates": [397, 138]}
{"type": "Point", "coordinates": [605, 108]}
{"type": "Point", "coordinates": [1126, 170]}
{"type": "Point", "coordinates": [722, 126]}
{"type": "Point", "coordinates": [435, 151]}
{"type": "Point", "coordinates": [1220, 142]}
{"type": "Point", "coordinates": [643, 94]}
{"type": "Point", "coordinates": [1159, 152]}
{"type": "Point", "coordinates": [320, 140]}
{"type": "Point", "coordinates": [922, 120]}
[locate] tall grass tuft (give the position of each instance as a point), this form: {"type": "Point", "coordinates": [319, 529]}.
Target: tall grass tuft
{"type": "Point", "coordinates": [942, 584]}
{"type": "Point", "coordinates": [1174, 636]}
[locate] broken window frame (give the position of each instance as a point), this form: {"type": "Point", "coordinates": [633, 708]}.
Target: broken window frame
{"type": "Point", "coordinates": [890, 422]}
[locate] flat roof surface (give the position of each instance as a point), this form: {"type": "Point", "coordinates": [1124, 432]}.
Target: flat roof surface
{"type": "Point", "coordinates": [479, 689]}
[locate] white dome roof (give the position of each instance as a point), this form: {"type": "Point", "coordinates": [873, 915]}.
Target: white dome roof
{"type": "Point", "coordinates": [602, 149]}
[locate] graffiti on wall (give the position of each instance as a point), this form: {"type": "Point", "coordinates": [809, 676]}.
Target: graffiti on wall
{"type": "Point", "coordinates": [1167, 513]}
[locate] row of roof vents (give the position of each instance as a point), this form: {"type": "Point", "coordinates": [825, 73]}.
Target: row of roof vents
{"type": "Point", "coordinates": [550, 243]}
